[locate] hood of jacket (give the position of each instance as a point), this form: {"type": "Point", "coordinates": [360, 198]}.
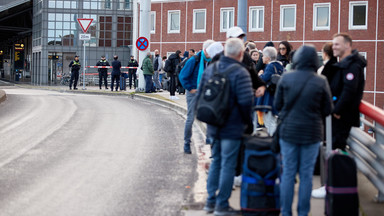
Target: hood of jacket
{"type": "Point", "coordinates": [355, 57]}
{"type": "Point", "coordinates": [186, 54]}
{"type": "Point", "coordinates": [306, 58]}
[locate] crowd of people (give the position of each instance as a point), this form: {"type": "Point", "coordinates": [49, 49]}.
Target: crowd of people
{"type": "Point", "coordinates": [277, 82]}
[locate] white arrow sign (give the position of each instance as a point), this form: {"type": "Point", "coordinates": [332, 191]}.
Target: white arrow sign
{"type": "Point", "coordinates": [84, 23]}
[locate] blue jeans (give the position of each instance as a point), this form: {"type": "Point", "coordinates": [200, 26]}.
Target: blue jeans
{"type": "Point", "coordinates": [302, 159]}
{"type": "Point", "coordinates": [222, 171]}
{"type": "Point", "coordinates": [191, 101]}
{"type": "Point", "coordinates": [148, 83]}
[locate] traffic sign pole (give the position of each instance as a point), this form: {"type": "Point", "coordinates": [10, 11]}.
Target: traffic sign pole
{"type": "Point", "coordinates": [84, 66]}
{"type": "Point", "coordinates": [84, 24]}
{"type": "Point", "coordinates": [144, 31]}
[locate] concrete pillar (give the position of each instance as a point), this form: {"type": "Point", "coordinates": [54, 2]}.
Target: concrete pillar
{"type": "Point", "coordinates": [144, 31]}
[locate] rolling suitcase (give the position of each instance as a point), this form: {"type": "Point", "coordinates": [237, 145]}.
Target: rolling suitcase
{"type": "Point", "coordinates": [342, 197]}
{"type": "Point", "coordinates": [260, 177]}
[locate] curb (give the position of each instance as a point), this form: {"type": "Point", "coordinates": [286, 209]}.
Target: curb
{"type": "Point", "coordinates": [3, 96]}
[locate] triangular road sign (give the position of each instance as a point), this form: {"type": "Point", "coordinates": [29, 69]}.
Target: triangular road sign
{"type": "Point", "coordinates": [84, 23]}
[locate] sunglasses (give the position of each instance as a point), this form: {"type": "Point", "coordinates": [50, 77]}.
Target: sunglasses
{"type": "Point", "coordinates": [282, 48]}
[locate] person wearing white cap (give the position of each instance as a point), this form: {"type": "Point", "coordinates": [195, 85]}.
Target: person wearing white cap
{"type": "Point", "coordinates": [189, 78]}
{"type": "Point", "coordinates": [257, 84]}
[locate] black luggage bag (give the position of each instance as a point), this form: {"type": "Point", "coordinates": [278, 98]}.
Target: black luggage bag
{"type": "Point", "coordinates": [260, 177]}
{"type": "Point", "coordinates": [342, 196]}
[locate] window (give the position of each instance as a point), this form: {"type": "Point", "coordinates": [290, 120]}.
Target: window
{"type": "Point", "coordinates": [199, 23]}
{"type": "Point", "coordinates": [107, 4]}
{"type": "Point", "coordinates": [227, 18]}
{"type": "Point", "coordinates": [288, 17]}
{"type": "Point", "coordinates": [256, 18]}
{"type": "Point", "coordinates": [364, 54]}
{"type": "Point", "coordinates": [174, 21]}
{"type": "Point", "coordinates": [358, 15]}
{"type": "Point", "coordinates": [321, 16]}
{"type": "Point", "coordinates": [153, 22]}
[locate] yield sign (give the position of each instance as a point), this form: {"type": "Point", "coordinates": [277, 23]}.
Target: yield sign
{"type": "Point", "coordinates": [84, 23]}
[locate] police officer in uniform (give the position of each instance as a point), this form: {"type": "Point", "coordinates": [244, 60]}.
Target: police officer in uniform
{"type": "Point", "coordinates": [103, 72]}
{"type": "Point", "coordinates": [75, 67]}
{"type": "Point", "coordinates": [132, 71]}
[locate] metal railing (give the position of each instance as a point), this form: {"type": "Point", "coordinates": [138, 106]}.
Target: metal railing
{"type": "Point", "coordinates": [368, 151]}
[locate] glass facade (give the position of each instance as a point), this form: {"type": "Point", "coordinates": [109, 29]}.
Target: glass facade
{"type": "Point", "coordinates": [56, 35]}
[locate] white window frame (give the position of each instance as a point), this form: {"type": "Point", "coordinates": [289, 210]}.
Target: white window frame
{"type": "Point", "coordinates": [358, 3]}
{"type": "Point", "coordinates": [169, 21]}
{"type": "Point", "coordinates": [194, 21]}
{"type": "Point", "coordinates": [258, 8]}
{"type": "Point", "coordinates": [154, 22]}
{"type": "Point", "coordinates": [282, 7]}
{"type": "Point", "coordinates": [320, 28]}
{"type": "Point", "coordinates": [364, 54]}
{"type": "Point", "coordinates": [221, 18]}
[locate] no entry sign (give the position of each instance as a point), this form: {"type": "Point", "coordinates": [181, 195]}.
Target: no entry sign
{"type": "Point", "coordinates": [142, 43]}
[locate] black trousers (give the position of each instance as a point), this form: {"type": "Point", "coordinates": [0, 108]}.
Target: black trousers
{"type": "Point", "coordinates": [117, 78]}
{"type": "Point", "coordinates": [103, 76]}
{"type": "Point", "coordinates": [172, 84]}
{"type": "Point", "coordinates": [132, 75]}
{"type": "Point", "coordinates": [340, 133]}
{"type": "Point", "coordinates": [74, 76]}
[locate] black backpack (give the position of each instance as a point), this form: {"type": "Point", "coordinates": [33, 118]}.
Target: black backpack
{"type": "Point", "coordinates": [180, 66]}
{"type": "Point", "coordinates": [212, 106]}
{"type": "Point", "coordinates": [272, 84]}
{"type": "Point", "coordinates": [168, 66]}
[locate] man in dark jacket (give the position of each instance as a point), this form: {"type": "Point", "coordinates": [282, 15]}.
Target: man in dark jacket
{"type": "Point", "coordinates": [175, 59]}
{"type": "Point", "coordinates": [347, 87]}
{"type": "Point", "coordinates": [75, 67]}
{"type": "Point", "coordinates": [304, 100]}
{"type": "Point", "coordinates": [116, 65]}
{"type": "Point", "coordinates": [132, 72]}
{"type": "Point", "coordinates": [227, 139]}
{"type": "Point", "coordinates": [103, 72]}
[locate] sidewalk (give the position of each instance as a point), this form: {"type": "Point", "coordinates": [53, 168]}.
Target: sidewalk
{"type": "Point", "coordinates": [366, 190]}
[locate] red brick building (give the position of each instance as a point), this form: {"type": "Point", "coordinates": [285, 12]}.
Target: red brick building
{"type": "Point", "coordinates": [186, 24]}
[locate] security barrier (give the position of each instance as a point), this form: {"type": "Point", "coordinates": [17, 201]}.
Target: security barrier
{"type": "Point", "coordinates": [368, 151]}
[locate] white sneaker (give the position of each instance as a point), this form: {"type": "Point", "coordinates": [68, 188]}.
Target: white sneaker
{"type": "Point", "coordinates": [174, 98]}
{"type": "Point", "coordinates": [319, 193]}
{"type": "Point", "coordinates": [171, 97]}
{"type": "Point", "coordinates": [237, 181]}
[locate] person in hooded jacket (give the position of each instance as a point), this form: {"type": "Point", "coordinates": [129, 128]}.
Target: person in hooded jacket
{"type": "Point", "coordinates": [284, 50]}
{"type": "Point", "coordinates": [303, 99]}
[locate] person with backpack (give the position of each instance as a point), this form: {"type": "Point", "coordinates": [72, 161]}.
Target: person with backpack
{"type": "Point", "coordinates": [265, 104]}
{"type": "Point", "coordinates": [188, 79]}
{"type": "Point", "coordinates": [227, 138]}
{"type": "Point", "coordinates": [157, 63]}
{"type": "Point", "coordinates": [170, 67]}
{"type": "Point", "coordinates": [304, 99]}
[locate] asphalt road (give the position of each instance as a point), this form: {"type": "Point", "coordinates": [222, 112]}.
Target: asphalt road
{"type": "Point", "coordinates": [74, 154]}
